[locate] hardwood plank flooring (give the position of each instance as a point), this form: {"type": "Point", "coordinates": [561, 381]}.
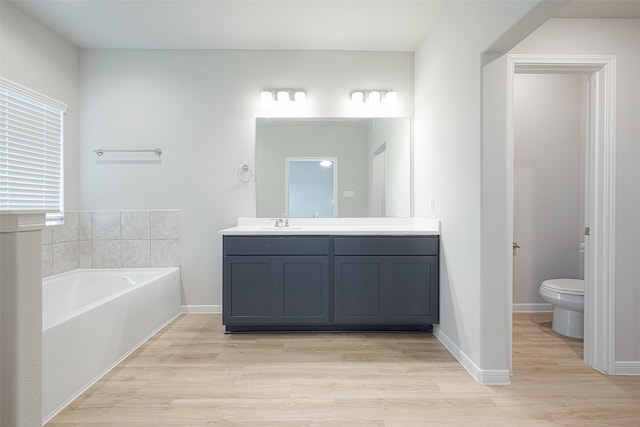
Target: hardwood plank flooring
{"type": "Point", "coordinates": [191, 374]}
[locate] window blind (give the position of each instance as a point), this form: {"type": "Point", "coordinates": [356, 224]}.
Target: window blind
{"type": "Point", "coordinates": [31, 151]}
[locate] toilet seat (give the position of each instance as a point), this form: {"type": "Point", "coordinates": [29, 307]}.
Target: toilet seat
{"type": "Point", "coordinates": [564, 286]}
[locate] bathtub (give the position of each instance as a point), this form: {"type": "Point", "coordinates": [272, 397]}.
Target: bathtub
{"type": "Point", "coordinates": [93, 319]}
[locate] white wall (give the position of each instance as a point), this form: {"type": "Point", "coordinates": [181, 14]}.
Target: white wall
{"type": "Point", "coordinates": [612, 37]}
{"type": "Point", "coordinates": [548, 177]}
{"type": "Point", "coordinates": [346, 141]}
{"type": "Point", "coordinates": [41, 60]}
{"type": "Point", "coordinates": [200, 108]}
{"type": "Point", "coordinates": [474, 322]}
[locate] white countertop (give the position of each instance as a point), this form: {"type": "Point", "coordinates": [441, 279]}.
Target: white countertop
{"type": "Point", "coordinates": [336, 226]}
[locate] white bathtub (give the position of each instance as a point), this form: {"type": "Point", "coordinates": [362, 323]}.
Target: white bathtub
{"type": "Point", "coordinates": [93, 319]}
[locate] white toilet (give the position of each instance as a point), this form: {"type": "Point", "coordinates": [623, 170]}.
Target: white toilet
{"type": "Point", "coordinates": [567, 298]}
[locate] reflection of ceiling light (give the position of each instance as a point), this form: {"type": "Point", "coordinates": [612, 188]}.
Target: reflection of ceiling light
{"type": "Point", "coordinates": [326, 163]}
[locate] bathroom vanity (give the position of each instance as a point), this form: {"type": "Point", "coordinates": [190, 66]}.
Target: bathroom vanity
{"type": "Point", "coordinates": [331, 275]}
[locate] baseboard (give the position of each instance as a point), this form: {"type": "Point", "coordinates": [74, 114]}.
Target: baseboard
{"type": "Point", "coordinates": [483, 376]}
{"type": "Point", "coordinates": [627, 368]}
{"type": "Point", "coordinates": [531, 308]}
{"type": "Point", "coordinates": [201, 309]}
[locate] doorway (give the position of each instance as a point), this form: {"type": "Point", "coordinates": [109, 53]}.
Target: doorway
{"type": "Point", "coordinates": [599, 344]}
{"type": "Point", "coordinates": [549, 182]}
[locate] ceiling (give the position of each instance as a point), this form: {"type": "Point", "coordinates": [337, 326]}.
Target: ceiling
{"type": "Point", "coordinates": [392, 25]}
{"type": "Point", "coordinates": [380, 25]}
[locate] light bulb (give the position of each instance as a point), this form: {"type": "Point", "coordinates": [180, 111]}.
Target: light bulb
{"type": "Point", "coordinates": [357, 97]}
{"type": "Point", "coordinates": [300, 96]}
{"type": "Point", "coordinates": [374, 97]}
{"type": "Point", "coordinates": [283, 97]}
{"type": "Point", "coordinates": [266, 97]}
{"type": "Point", "coordinates": [391, 98]}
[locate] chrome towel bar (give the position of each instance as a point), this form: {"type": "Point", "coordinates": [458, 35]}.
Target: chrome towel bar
{"type": "Point", "coordinates": [156, 151]}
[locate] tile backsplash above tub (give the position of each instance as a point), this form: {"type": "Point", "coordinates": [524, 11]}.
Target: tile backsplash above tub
{"type": "Point", "coordinates": [112, 239]}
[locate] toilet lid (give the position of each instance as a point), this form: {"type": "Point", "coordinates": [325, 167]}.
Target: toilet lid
{"type": "Point", "coordinates": [565, 286]}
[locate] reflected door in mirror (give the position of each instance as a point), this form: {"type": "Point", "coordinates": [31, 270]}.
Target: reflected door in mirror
{"type": "Point", "coordinates": [311, 188]}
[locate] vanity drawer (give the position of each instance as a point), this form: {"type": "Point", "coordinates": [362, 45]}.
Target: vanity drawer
{"type": "Point", "coordinates": [267, 245]}
{"type": "Point", "coordinates": [386, 245]}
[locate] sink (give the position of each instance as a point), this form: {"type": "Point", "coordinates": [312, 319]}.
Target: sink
{"type": "Point", "coordinates": [274, 228]}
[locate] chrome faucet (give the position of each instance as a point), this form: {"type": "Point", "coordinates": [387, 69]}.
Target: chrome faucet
{"type": "Point", "coordinates": [282, 222]}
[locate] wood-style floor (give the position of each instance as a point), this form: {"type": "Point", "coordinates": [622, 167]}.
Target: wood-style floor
{"type": "Point", "coordinates": [191, 374]}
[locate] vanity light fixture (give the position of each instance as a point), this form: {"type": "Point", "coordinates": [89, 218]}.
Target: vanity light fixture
{"type": "Point", "coordinates": [282, 97]}
{"type": "Point", "coordinates": [326, 163]}
{"type": "Point", "coordinates": [374, 97]}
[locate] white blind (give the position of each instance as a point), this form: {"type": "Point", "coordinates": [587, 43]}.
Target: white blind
{"type": "Point", "coordinates": [31, 143]}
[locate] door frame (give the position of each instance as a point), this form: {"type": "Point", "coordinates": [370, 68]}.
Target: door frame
{"type": "Point", "coordinates": [599, 309]}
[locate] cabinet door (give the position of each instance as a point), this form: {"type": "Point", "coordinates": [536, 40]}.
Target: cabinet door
{"type": "Point", "coordinates": [302, 289]}
{"type": "Point", "coordinates": [411, 289]}
{"type": "Point", "coordinates": [358, 288]}
{"type": "Point", "coordinates": [248, 290]}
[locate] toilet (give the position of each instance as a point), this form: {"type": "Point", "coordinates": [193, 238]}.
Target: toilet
{"type": "Point", "coordinates": [567, 298]}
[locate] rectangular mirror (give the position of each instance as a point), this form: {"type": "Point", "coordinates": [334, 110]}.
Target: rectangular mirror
{"type": "Point", "coordinates": [340, 167]}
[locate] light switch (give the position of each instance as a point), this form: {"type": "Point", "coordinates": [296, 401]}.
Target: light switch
{"type": "Point", "coordinates": [349, 193]}
{"type": "Point", "coordinates": [432, 204]}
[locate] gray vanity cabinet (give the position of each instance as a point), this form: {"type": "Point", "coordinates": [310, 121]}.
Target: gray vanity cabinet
{"type": "Point", "coordinates": [275, 280]}
{"type": "Point", "coordinates": [386, 280]}
{"type": "Point", "coordinates": [332, 283]}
